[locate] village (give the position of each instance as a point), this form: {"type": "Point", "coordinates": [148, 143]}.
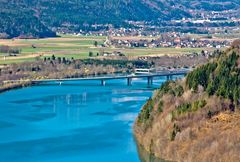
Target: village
{"type": "Point", "coordinates": [171, 40]}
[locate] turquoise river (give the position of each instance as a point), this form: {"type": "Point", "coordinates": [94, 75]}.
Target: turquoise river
{"type": "Point", "coordinates": [79, 121]}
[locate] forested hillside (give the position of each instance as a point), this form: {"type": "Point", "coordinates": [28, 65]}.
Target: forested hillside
{"type": "Point", "coordinates": [197, 118]}
{"type": "Point", "coordinates": [38, 18]}
{"type": "Point", "coordinates": [18, 20]}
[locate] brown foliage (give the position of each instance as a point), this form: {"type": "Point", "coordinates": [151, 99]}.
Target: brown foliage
{"type": "Point", "coordinates": [236, 44]}
{"type": "Point", "coordinates": [200, 138]}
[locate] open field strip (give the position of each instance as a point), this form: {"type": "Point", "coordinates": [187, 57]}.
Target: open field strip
{"type": "Point", "coordinates": [77, 48]}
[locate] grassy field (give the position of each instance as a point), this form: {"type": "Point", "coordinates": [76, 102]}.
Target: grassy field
{"type": "Point", "coordinates": [77, 47]}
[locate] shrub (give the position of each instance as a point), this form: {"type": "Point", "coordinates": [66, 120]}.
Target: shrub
{"type": "Point", "coordinates": [168, 87]}
{"type": "Point", "coordinates": [189, 107]}
{"type": "Point", "coordinates": [179, 91]}
{"type": "Point", "coordinates": [160, 106]}
{"type": "Point", "coordinates": [176, 129]}
{"type": "Point", "coordinates": [146, 111]}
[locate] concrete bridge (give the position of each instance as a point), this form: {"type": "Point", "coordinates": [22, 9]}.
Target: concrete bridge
{"type": "Point", "coordinates": [139, 73]}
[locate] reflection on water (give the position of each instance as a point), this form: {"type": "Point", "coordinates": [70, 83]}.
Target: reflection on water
{"type": "Point", "coordinates": [144, 156]}
{"type": "Point", "coordinates": [77, 121]}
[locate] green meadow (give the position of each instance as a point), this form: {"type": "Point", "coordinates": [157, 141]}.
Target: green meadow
{"type": "Point", "coordinates": [77, 47]}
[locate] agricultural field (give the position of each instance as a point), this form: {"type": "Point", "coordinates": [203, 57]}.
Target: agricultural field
{"type": "Point", "coordinates": [69, 46]}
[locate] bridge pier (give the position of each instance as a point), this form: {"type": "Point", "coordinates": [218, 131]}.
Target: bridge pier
{"type": "Point", "coordinates": [169, 77]}
{"type": "Point", "coordinates": [129, 81]}
{"type": "Point", "coordinates": [103, 82]}
{"type": "Point", "coordinates": [150, 80]}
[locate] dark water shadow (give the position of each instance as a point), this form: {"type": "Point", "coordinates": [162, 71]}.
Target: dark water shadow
{"type": "Point", "coordinates": [145, 156]}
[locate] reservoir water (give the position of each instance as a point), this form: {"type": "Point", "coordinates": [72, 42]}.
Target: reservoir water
{"type": "Point", "coordinates": [73, 122]}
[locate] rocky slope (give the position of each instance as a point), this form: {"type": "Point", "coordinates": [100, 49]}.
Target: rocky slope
{"type": "Point", "coordinates": [198, 118]}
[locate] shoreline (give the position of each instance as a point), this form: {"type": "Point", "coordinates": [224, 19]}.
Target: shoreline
{"type": "Point", "coordinates": [31, 82]}
{"type": "Point", "coordinates": [16, 86]}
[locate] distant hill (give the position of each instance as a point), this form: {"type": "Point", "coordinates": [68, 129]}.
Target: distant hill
{"type": "Point", "coordinates": [38, 18]}
{"type": "Point", "coordinates": [19, 20]}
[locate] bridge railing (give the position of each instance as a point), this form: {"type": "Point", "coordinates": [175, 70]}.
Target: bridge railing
{"type": "Point", "coordinates": [160, 70]}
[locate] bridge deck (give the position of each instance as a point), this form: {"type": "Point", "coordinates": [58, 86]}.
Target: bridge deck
{"type": "Point", "coordinates": [117, 77]}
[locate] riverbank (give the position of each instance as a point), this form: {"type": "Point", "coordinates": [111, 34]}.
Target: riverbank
{"type": "Point", "coordinates": [61, 68]}
{"type": "Point", "coordinates": [20, 75]}
{"type": "Point", "coordinates": [197, 118]}
{"type": "Point", "coordinates": [11, 86]}
{"type": "Point", "coordinates": [207, 140]}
